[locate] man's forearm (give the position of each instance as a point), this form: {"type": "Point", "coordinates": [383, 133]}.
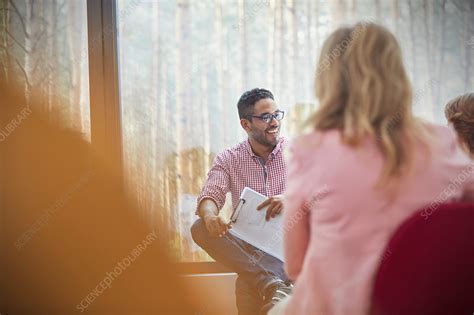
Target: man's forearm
{"type": "Point", "coordinates": [208, 207]}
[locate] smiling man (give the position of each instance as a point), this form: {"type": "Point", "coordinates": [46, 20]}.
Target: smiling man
{"type": "Point", "coordinates": [257, 163]}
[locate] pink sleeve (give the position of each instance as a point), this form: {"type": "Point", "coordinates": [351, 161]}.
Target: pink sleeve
{"type": "Point", "coordinates": [217, 184]}
{"type": "Point", "coordinates": [295, 218]}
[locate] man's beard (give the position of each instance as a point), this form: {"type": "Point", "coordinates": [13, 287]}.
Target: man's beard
{"type": "Point", "coordinates": [261, 137]}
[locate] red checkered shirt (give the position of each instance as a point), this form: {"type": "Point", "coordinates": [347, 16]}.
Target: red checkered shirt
{"type": "Point", "coordinates": [238, 167]}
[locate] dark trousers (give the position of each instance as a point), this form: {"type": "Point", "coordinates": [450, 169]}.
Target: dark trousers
{"type": "Point", "coordinates": [254, 267]}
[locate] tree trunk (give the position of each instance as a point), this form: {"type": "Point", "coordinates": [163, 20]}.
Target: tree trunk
{"type": "Point", "coordinates": [317, 35]}
{"type": "Point", "coordinates": [395, 16]}
{"type": "Point", "coordinates": [296, 73]}
{"type": "Point", "coordinates": [353, 11]}
{"type": "Point", "coordinates": [338, 13]}
{"type": "Point", "coordinates": [27, 66]}
{"type": "Point", "coordinates": [377, 10]}
{"type": "Point", "coordinates": [413, 41]}
{"type": "Point", "coordinates": [154, 103]}
{"type": "Point", "coordinates": [6, 43]}
{"type": "Point", "coordinates": [83, 66]}
{"type": "Point", "coordinates": [183, 101]}
{"type": "Point", "coordinates": [243, 41]}
{"type": "Point", "coordinates": [309, 67]}
{"type": "Point", "coordinates": [283, 54]}
{"type": "Point", "coordinates": [276, 46]}
{"type": "Point", "coordinates": [271, 47]}
{"type": "Point", "coordinates": [430, 62]}
{"type": "Point", "coordinates": [442, 32]}
{"type": "Point", "coordinates": [73, 10]}
{"type": "Point", "coordinates": [222, 70]}
{"type": "Point", "coordinates": [468, 31]}
{"type": "Point", "coordinates": [50, 73]}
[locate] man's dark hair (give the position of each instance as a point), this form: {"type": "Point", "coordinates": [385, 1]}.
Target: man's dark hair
{"type": "Point", "coordinates": [248, 100]}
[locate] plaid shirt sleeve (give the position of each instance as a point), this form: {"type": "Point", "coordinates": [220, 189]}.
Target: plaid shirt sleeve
{"type": "Point", "coordinates": [217, 184]}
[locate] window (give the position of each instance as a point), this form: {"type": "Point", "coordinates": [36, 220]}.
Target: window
{"type": "Point", "coordinates": [43, 48]}
{"type": "Point", "coordinates": [184, 64]}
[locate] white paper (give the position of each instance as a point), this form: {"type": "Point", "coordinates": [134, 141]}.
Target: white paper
{"type": "Point", "coordinates": [252, 227]}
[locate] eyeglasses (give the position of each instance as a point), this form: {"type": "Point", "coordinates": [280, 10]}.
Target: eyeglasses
{"type": "Point", "coordinates": [278, 115]}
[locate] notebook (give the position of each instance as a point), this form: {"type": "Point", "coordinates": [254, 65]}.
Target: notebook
{"type": "Point", "coordinates": [249, 224]}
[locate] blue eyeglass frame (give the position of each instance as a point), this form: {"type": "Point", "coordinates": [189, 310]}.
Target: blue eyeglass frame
{"type": "Point", "coordinates": [269, 117]}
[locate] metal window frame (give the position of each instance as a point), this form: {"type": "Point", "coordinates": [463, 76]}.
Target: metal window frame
{"type": "Point", "coordinates": [105, 114]}
{"type": "Point", "coordinates": [105, 106]}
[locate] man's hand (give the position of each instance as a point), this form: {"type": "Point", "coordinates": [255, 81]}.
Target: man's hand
{"type": "Point", "coordinates": [275, 205]}
{"type": "Point", "coordinates": [216, 226]}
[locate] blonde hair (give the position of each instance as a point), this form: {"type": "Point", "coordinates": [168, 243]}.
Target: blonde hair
{"type": "Point", "coordinates": [363, 90]}
{"type": "Point", "coordinates": [460, 113]}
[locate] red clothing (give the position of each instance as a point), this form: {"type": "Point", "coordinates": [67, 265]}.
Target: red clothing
{"type": "Point", "coordinates": [239, 167]}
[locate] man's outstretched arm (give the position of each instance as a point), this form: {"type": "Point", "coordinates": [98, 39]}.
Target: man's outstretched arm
{"type": "Point", "coordinates": [209, 212]}
{"type": "Point", "coordinates": [212, 197]}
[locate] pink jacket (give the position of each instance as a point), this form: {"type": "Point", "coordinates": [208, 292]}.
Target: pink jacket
{"type": "Point", "coordinates": [336, 223]}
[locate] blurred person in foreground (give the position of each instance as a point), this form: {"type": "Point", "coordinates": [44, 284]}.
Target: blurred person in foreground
{"type": "Point", "coordinates": [367, 166]}
{"type": "Point", "coordinates": [71, 241]}
{"type": "Point", "coordinates": [460, 114]}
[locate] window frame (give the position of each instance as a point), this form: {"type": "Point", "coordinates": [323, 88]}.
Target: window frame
{"type": "Point", "coordinates": [105, 117]}
{"type": "Point", "coordinates": [105, 106]}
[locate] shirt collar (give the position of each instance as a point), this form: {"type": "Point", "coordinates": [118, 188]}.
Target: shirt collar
{"type": "Point", "coordinates": [275, 151]}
